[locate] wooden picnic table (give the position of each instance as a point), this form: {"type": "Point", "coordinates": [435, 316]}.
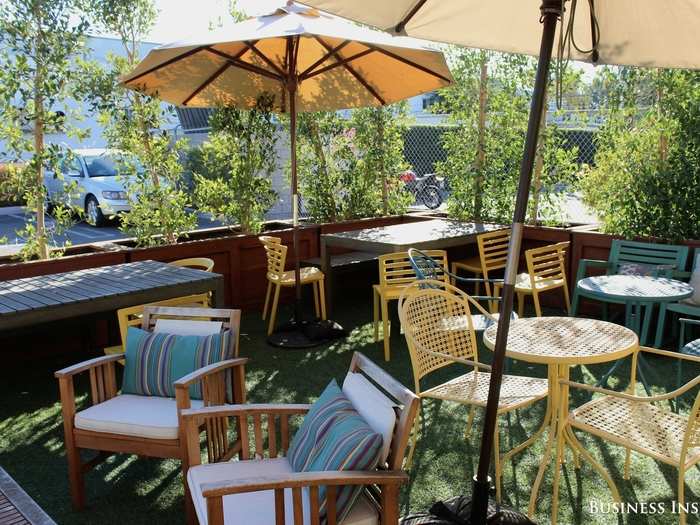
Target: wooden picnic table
{"type": "Point", "coordinates": [436, 234]}
{"type": "Point", "coordinates": [33, 300]}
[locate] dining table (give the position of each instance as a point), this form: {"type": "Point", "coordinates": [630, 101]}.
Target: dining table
{"type": "Point", "coordinates": [562, 343]}
{"type": "Point", "coordinates": [431, 234]}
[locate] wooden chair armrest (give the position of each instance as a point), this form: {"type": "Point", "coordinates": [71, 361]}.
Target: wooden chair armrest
{"type": "Point", "coordinates": [629, 397]}
{"type": "Point", "coordinates": [303, 479]}
{"type": "Point", "coordinates": [191, 378]}
{"type": "Point", "coordinates": [87, 365]}
{"type": "Point", "coordinates": [244, 410]}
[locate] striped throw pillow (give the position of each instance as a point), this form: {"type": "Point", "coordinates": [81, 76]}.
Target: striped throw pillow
{"type": "Point", "coordinates": [154, 361]}
{"type": "Point", "coordinates": [335, 437]}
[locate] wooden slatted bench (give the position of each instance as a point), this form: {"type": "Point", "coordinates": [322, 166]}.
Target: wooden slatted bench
{"type": "Point", "coordinates": [16, 507]}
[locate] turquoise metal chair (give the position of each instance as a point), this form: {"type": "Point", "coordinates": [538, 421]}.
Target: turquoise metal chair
{"type": "Point", "coordinates": [690, 348]}
{"type": "Point", "coordinates": [681, 308]}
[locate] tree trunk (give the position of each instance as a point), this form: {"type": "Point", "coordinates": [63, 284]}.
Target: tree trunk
{"type": "Point", "coordinates": [43, 251]}
{"type": "Point", "coordinates": [322, 165]}
{"type": "Point", "coordinates": [481, 146]}
{"type": "Point", "coordinates": [382, 167]}
{"type": "Point", "coordinates": [539, 164]}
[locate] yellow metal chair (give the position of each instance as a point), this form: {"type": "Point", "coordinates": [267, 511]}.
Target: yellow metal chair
{"type": "Point", "coordinates": [132, 316]}
{"type": "Point", "coordinates": [493, 248]}
{"type": "Point", "coordinates": [546, 270]}
{"type": "Point", "coordinates": [198, 263]}
{"type": "Point", "coordinates": [278, 277]}
{"type": "Point", "coordinates": [395, 272]}
{"type": "Point", "coordinates": [439, 331]}
{"type": "Point", "coordinates": [637, 423]}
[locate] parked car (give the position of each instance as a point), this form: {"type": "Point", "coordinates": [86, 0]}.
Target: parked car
{"type": "Point", "coordinates": [99, 189]}
{"type": "Point", "coordinates": [429, 189]}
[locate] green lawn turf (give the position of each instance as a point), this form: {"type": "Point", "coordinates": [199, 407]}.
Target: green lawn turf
{"type": "Point", "coordinates": [132, 490]}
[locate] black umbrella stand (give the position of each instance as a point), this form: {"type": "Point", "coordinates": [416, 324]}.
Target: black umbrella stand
{"type": "Point", "coordinates": [551, 12]}
{"type": "Point", "coordinates": [299, 332]}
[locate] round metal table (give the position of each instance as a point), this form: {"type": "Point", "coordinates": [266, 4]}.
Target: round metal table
{"type": "Point", "coordinates": [560, 343]}
{"type": "Point", "coordinates": [635, 292]}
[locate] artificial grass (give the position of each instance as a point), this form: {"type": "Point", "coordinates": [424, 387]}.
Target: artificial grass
{"type": "Point", "coordinates": [128, 489]}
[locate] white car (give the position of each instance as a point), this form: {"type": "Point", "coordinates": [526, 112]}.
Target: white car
{"type": "Point", "coordinates": [99, 188]}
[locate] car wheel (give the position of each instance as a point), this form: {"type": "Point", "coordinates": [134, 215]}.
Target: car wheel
{"type": "Point", "coordinates": [431, 197]}
{"type": "Point", "coordinates": [93, 213]}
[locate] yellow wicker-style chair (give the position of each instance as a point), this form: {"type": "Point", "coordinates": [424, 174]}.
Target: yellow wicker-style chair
{"type": "Point", "coordinates": [145, 425]}
{"type": "Point", "coordinates": [197, 263]}
{"type": "Point", "coordinates": [395, 272]}
{"type": "Point", "coordinates": [132, 316]}
{"type": "Point", "coordinates": [439, 332]}
{"type": "Point", "coordinates": [263, 488]}
{"type": "Point", "coordinates": [278, 277]}
{"type": "Point", "coordinates": [637, 423]}
{"type": "Point", "coordinates": [493, 248]}
{"type": "Point", "coordinates": [546, 270]}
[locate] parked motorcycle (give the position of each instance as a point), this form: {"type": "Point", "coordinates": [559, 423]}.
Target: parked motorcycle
{"type": "Point", "coordinates": [429, 189]}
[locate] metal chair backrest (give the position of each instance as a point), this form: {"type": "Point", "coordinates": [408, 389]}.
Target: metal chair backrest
{"type": "Point", "coordinates": [197, 263]}
{"type": "Point", "coordinates": [437, 322]}
{"type": "Point", "coordinates": [547, 263]}
{"type": "Point", "coordinates": [493, 250]}
{"type": "Point", "coordinates": [276, 253]}
{"type": "Point", "coordinates": [406, 407]}
{"type": "Point", "coordinates": [133, 315]}
{"type": "Point", "coordinates": [430, 264]}
{"type": "Point", "coordinates": [634, 252]}
{"type": "Point", "coordinates": [229, 319]}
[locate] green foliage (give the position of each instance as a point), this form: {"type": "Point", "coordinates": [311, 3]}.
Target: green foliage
{"type": "Point", "coordinates": [232, 169]}
{"type": "Point", "coordinates": [647, 172]}
{"type": "Point", "coordinates": [39, 42]}
{"type": "Point", "coordinates": [131, 120]}
{"type": "Point", "coordinates": [349, 168]}
{"type": "Point", "coordinates": [483, 163]}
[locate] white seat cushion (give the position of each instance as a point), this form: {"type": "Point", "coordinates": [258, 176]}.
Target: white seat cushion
{"type": "Point", "coordinates": [130, 415]}
{"type": "Point", "coordinates": [258, 508]}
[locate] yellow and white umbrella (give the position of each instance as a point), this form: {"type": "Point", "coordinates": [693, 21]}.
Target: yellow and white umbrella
{"type": "Point", "coordinates": [646, 33]}
{"type": "Point", "coordinates": [307, 60]}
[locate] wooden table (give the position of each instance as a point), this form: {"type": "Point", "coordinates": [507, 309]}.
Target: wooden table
{"type": "Point", "coordinates": [433, 234]}
{"type": "Point", "coordinates": [560, 343]}
{"type": "Point", "coordinates": [16, 507]}
{"type": "Point", "coordinates": [33, 300]}
{"type": "Point", "coordinates": [636, 292]}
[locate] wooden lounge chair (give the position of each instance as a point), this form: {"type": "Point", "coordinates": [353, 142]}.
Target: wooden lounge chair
{"type": "Point", "coordinates": [143, 425]}
{"type": "Point", "coordinates": [261, 488]}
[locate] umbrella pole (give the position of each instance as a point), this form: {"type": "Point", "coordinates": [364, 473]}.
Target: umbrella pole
{"type": "Point", "coordinates": [295, 199]}
{"type": "Point", "coordinates": [551, 12]}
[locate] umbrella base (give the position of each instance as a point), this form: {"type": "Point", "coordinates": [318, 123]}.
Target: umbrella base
{"type": "Point", "coordinates": [457, 511]}
{"type": "Point", "coordinates": [306, 334]}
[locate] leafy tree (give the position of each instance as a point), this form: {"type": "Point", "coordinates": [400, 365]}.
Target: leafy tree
{"type": "Point", "coordinates": [489, 107]}
{"type": "Point", "coordinates": [648, 160]}
{"type": "Point", "coordinates": [152, 172]}
{"type": "Point", "coordinates": [348, 168]}
{"type": "Point", "coordinates": [232, 169]}
{"type": "Point", "coordinates": [39, 42]}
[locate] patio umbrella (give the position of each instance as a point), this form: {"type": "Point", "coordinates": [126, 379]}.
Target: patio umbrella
{"type": "Point", "coordinates": [309, 61]}
{"type": "Point", "coordinates": [648, 33]}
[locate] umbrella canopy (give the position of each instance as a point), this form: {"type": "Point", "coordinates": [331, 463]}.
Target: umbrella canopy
{"type": "Point", "coordinates": [649, 33]}
{"type": "Point", "coordinates": [339, 65]}
{"type": "Point", "coordinates": [308, 61]}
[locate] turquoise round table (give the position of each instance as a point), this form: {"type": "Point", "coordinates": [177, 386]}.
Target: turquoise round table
{"type": "Point", "coordinates": [636, 292]}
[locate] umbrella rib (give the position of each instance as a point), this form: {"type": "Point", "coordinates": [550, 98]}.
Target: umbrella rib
{"type": "Point", "coordinates": [402, 24]}
{"type": "Point", "coordinates": [354, 73]}
{"type": "Point", "coordinates": [268, 60]}
{"type": "Point", "coordinates": [337, 64]}
{"type": "Point", "coordinates": [245, 65]}
{"type": "Point", "coordinates": [410, 63]}
{"type": "Point", "coordinates": [207, 82]}
{"type": "Point", "coordinates": [166, 63]}
{"type": "Point", "coordinates": [321, 60]}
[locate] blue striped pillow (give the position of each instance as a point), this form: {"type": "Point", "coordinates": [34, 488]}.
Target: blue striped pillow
{"type": "Point", "coordinates": [154, 360]}
{"type": "Point", "coordinates": [335, 437]}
